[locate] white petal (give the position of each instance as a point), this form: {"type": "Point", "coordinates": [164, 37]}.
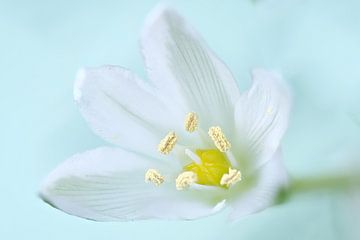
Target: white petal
{"type": "Point", "coordinates": [122, 109]}
{"type": "Point", "coordinates": [261, 116]}
{"type": "Point", "coordinates": [271, 178]}
{"type": "Point", "coordinates": [186, 71]}
{"type": "Point", "coordinates": [107, 184]}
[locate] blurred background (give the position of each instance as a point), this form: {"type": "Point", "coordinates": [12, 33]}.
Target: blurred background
{"type": "Point", "coordinates": [315, 44]}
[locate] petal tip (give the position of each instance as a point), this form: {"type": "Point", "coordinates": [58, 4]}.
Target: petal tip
{"type": "Point", "coordinates": [273, 79]}
{"type": "Point", "coordinates": [157, 15]}
{"type": "Point", "coordinates": [262, 74]}
{"type": "Point", "coordinates": [44, 192]}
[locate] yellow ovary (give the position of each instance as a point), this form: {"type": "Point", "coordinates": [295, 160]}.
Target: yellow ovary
{"type": "Point", "coordinates": [212, 167]}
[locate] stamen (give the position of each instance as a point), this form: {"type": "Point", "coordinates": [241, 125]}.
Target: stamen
{"type": "Point", "coordinates": [231, 158]}
{"type": "Point", "coordinates": [185, 179]}
{"type": "Point", "coordinates": [193, 156]}
{"type": "Point", "coordinates": [152, 175]}
{"type": "Point", "coordinates": [231, 178]}
{"type": "Point", "coordinates": [191, 122]}
{"type": "Point", "coordinates": [167, 143]}
{"type": "Point", "coordinates": [219, 139]}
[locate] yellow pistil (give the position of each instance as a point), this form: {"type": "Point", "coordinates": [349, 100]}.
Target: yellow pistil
{"type": "Point", "coordinates": [219, 139]}
{"type": "Point", "coordinates": [152, 175]}
{"type": "Point", "coordinates": [185, 179]}
{"type": "Point", "coordinates": [167, 143]}
{"type": "Point", "coordinates": [230, 178]}
{"type": "Point", "coordinates": [191, 122]}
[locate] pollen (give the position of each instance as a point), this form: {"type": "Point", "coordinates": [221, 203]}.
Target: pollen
{"type": "Point", "coordinates": [219, 139]}
{"type": "Point", "coordinates": [185, 179]}
{"type": "Point", "coordinates": [229, 179]}
{"type": "Point", "coordinates": [152, 175]}
{"type": "Point", "coordinates": [167, 143]}
{"type": "Point", "coordinates": [191, 122]}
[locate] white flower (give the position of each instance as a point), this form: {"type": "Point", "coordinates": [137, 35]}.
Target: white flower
{"type": "Point", "coordinates": [191, 143]}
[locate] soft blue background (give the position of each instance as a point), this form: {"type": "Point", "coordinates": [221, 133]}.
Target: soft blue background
{"type": "Point", "coordinates": [316, 44]}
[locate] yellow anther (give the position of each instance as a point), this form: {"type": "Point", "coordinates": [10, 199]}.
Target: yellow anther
{"type": "Point", "coordinates": [167, 143]}
{"type": "Point", "coordinates": [152, 175]}
{"type": "Point", "coordinates": [219, 139]}
{"type": "Point", "coordinates": [229, 179]}
{"type": "Point", "coordinates": [191, 122]}
{"type": "Point", "coordinates": [185, 179]}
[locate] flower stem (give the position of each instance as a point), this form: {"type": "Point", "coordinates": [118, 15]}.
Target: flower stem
{"type": "Point", "coordinates": [333, 183]}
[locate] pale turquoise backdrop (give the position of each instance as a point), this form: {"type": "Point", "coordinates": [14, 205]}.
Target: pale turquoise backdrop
{"type": "Point", "coordinates": [316, 44]}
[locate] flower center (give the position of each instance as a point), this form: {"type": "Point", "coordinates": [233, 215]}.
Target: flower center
{"type": "Point", "coordinates": [212, 167]}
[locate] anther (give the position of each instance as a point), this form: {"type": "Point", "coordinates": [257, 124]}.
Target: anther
{"type": "Point", "coordinates": [152, 175]}
{"type": "Point", "coordinates": [219, 139]}
{"type": "Point", "coordinates": [229, 179]}
{"type": "Point", "coordinates": [167, 143]}
{"type": "Point", "coordinates": [191, 122]}
{"type": "Point", "coordinates": [185, 179]}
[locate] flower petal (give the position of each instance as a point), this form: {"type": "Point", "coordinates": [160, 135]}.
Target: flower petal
{"type": "Point", "coordinates": [122, 109]}
{"type": "Point", "coordinates": [186, 71]}
{"type": "Point", "coordinates": [271, 177]}
{"type": "Point", "coordinates": [107, 184]}
{"type": "Point", "coordinates": [261, 116]}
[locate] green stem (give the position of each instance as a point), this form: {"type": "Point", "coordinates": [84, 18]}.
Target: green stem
{"type": "Point", "coordinates": [319, 183]}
